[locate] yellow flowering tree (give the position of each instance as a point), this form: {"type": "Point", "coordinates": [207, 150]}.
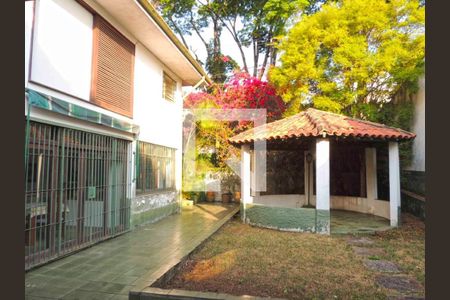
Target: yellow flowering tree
{"type": "Point", "coordinates": [351, 56]}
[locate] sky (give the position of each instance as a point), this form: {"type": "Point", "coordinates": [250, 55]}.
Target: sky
{"type": "Point", "coordinates": [228, 46]}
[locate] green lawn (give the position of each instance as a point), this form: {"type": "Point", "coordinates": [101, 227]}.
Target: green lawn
{"type": "Point", "coordinates": [240, 259]}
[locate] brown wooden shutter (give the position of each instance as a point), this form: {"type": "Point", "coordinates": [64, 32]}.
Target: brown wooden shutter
{"type": "Point", "coordinates": [112, 69]}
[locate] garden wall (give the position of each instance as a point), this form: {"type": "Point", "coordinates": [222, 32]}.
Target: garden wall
{"type": "Point", "coordinates": [287, 219]}
{"type": "Point", "coordinates": [413, 193]}
{"type": "Point", "coordinates": [413, 204]}
{"type": "Point", "coordinates": [153, 207]}
{"type": "Point", "coordinates": [358, 204]}
{"type": "Point", "coordinates": [413, 181]}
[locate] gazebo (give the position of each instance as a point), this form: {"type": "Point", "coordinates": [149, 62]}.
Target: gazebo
{"type": "Point", "coordinates": [317, 161]}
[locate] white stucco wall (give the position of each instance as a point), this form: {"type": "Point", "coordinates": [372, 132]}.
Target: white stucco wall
{"type": "Point", "coordinates": [62, 47]}
{"type": "Point", "coordinates": [418, 127]}
{"type": "Point", "coordinates": [60, 50]}
{"type": "Point", "coordinates": [363, 205]}
{"type": "Point", "coordinates": [358, 204]}
{"type": "Point", "coordinates": [291, 200]}
{"type": "Point", "coordinates": [29, 6]}
{"type": "Point", "coordinates": [43, 79]}
{"type": "Point", "coordinates": [159, 119]}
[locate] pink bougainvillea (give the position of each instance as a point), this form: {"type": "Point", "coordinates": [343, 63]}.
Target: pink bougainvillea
{"type": "Point", "coordinates": [241, 91]}
{"type": "Point", "coordinates": [245, 91]}
{"type": "Point", "coordinates": [226, 58]}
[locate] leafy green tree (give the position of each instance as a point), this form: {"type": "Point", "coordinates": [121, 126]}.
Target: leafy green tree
{"type": "Point", "coordinates": [187, 17]}
{"type": "Point", "coordinates": [262, 21]}
{"type": "Point", "coordinates": [352, 56]}
{"type": "Point", "coordinates": [255, 23]}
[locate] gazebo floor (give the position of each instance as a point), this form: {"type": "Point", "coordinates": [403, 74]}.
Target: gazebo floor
{"type": "Point", "coordinates": [349, 222]}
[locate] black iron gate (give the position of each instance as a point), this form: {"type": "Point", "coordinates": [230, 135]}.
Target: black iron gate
{"type": "Point", "coordinates": [75, 190]}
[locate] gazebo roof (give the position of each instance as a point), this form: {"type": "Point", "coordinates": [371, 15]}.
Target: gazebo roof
{"type": "Point", "coordinates": [317, 123]}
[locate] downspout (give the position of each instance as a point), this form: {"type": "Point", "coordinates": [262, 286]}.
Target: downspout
{"type": "Point", "coordinates": [136, 161]}
{"type": "Point", "coordinates": [133, 177]}
{"type": "Point", "coordinates": [27, 134]}
{"type": "Point", "coordinates": [195, 86]}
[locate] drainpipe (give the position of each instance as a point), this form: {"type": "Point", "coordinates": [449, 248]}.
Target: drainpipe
{"type": "Point", "coordinates": [27, 133]}
{"type": "Point", "coordinates": [195, 86]}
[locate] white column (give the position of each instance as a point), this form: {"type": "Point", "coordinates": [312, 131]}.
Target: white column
{"type": "Point", "coordinates": [394, 183]}
{"type": "Point", "coordinates": [371, 174]}
{"type": "Point", "coordinates": [245, 176]}
{"type": "Point", "coordinates": [323, 174]}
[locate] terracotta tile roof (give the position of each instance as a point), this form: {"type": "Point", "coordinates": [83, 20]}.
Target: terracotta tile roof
{"type": "Point", "coordinates": [315, 123]}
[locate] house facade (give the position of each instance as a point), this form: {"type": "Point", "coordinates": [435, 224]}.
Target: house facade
{"type": "Point", "coordinates": [413, 185]}
{"type": "Point", "coordinates": [418, 126]}
{"type": "Point", "coordinates": [103, 106]}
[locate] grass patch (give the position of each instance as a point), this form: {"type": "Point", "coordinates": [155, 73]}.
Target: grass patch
{"type": "Point", "coordinates": [405, 246]}
{"type": "Point", "coordinates": [244, 260]}
{"type": "Point", "coordinates": [373, 257]}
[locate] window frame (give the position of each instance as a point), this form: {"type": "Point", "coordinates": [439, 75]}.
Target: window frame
{"type": "Point", "coordinates": [158, 168]}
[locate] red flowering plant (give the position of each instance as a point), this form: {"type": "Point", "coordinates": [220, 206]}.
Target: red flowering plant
{"type": "Point", "coordinates": [240, 91]}
{"type": "Point", "coordinates": [245, 91]}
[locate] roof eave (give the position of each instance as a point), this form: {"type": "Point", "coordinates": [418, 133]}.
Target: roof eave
{"type": "Point", "coordinates": [148, 7]}
{"type": "Point", "coordinates": [238, 142]}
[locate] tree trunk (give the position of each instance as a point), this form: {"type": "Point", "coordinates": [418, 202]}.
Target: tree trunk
{"type": "Point", "coordinates": [197, 31]}
{"type": "Point", "coordinates": [216, 40]}
{"type": "Point", "coordinates": [255, 57]}
{"type": "Point", "coordinates": [216, 67]}
{"type": "Point", "coordinates": [273, 56]}
{"type": "Point", "coordinates": [264, 64]}
{"type": "Point", "coordinates": [232, 29]}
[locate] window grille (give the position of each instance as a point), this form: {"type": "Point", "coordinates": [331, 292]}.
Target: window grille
{"type": "Point", "coordinates": [155, 168]}
{"type": "Point", "coordinates": [75, 191]}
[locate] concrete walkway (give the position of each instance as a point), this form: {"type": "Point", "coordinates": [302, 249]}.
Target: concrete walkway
{"type": "Point", "coordinates": [132, 261]}
{"type": "Point", "coordinates": [350, 222]}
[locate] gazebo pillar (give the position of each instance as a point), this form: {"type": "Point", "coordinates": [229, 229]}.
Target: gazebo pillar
{"type": "Point", "coordinates": [245, 177]}
{"type": "Point", "coordinates": [394, 183]}
{"type": "Point", "coordinates": [323, 186]}
{"type": "Point", "coordinates": [371, 174]}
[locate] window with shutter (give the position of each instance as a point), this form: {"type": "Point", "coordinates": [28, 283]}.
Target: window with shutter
{"type": "Point", "coordinates": [169, 87]}
{"type": "Point", "coordinates": [112, 73]}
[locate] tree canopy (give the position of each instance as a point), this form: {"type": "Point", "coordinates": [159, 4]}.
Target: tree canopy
{"type": "Point", "coordinates": [351, 53]}
{"type": "Point", "coordinates": [256, 24]}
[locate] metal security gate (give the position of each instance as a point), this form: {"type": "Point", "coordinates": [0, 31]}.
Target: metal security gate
{"type": "Point", "coordinates": [75, 190]}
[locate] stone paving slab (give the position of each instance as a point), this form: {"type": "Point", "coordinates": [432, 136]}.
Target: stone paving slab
{"type": "Point", "coordinates": [363, 251]}
{"type": "Point", "coordinates": [157, 293]}
{"type": "Point", "coordinates": [401, 283]}
{"type": "Point", "coordinates": [110, 269]}
{"type": "Point", "coordinates": [148, 279]}
{"type": "Point", "coordinates": [359, 241]}
{"type": "Point", "coordinates": [381, 266]}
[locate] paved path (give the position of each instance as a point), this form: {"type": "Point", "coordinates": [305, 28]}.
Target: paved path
{"type": "Point", "coordinates": [132, 261]}
{"type": "Point", "coordinates": [388, 273]}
